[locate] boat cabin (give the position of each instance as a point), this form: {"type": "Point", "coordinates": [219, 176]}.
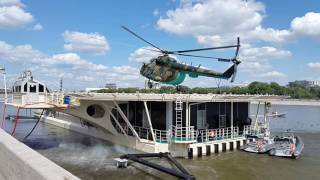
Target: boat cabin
{"type": "Point", "coordinates": [27, 90]}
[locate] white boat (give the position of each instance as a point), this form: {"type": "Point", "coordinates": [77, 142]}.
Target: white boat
{"type": "Point", "coordinates": [259, 145]}
{"type": "Point", "coordinates": [287, 145]}
{"type": "Point", "coordinates": [276, 114]}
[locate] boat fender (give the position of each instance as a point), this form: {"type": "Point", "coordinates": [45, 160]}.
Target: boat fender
{"type": "Point", "coordinates": [259, 145]}
{"type": "Point", "coordinates": [211, 133]}
{"type": "Point", "coordinates": [292, 148]}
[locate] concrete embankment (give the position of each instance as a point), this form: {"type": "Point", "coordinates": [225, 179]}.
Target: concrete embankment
{"type": "Point", "coordinates": [18, 161]}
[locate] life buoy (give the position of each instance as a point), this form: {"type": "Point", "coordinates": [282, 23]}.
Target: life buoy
{"type": "Point", "coordinates": [211, 133]}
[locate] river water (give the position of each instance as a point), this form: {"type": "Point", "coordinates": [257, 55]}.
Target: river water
{"type": "Point", "coordinates": [91, 159]}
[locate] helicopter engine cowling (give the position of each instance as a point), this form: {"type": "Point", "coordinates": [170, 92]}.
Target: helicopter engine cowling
{"type": "Point", "coordinates": [193, 75]}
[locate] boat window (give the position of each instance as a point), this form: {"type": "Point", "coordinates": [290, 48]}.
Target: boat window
{"type": "Point", "coordinates": [41, 88]}
{"type": "Point", "coordinates": [202, 106]}
{"type": "Point", "coordinates": [25, 87]}
{"type": "Point", "coordinates": [18, 88]}
{"type": "Point", "coordinates": [33, 88]}
{"type": "Point", "coordinates": [95, 111]}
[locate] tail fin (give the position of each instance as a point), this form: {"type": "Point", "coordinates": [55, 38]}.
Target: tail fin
{"type": "Point", "coordinates": [229, 72]}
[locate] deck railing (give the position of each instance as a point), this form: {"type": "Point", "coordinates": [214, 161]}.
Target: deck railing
{"type": "Point", "coordinates": [161, 136]}
{"type": "Point", "coordinates": [35, 98]}
{"type": "Point", "coordinates": [183, 134]}
{"type": "Point", "coordinates": [207, 135]}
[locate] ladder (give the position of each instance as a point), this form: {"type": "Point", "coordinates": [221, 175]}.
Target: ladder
{"type": "Point", "coordinates": [178, 128]}
{"type": "Point", "coordinates": [179, 108]}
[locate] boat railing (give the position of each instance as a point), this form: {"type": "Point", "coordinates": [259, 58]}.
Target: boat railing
{"type": "Point", "coordinates": [35, 98]}
{"type": "Point", "coordinates": [144, 133]}
{"type": "Point", "coordinates": [161, 136]}
{"type": "Point", "coordinates": [248, 130]}
{"type": "Point", "coordinates": [183, 134]}
{"type": "Point", "coordinates": [207, 135]}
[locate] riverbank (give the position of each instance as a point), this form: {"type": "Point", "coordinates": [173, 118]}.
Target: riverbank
{"type": "Point", "coordinates": [295, 102]}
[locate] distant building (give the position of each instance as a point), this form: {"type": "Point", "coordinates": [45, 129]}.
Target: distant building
{"type": "Point", "coordinates": [93, 89]}
{"type": "Point", "coordinates": [111, 86]}
{"type": "Point", "coordinates": [305, 83]}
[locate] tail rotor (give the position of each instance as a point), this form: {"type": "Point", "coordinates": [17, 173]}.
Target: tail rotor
{"type": "Point", "coordinates": [235, 61]}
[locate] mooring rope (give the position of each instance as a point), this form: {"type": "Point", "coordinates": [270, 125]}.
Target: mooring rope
{"type": "Point", "coordinates": [34, 127]}
{"type": "Point", "coordinates": [3, 115]}
{"type": "Point", "coordinates": [16, 119]}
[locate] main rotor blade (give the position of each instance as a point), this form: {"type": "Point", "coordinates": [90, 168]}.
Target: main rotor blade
{"type": "Point", "coordinates": [202, 49]}
{"type": "Point", "coordinates": [238, 47]}
{"type": "Point", "coordinates": [153, 50]}
{"type": "Point", "coordinates": [207, 57]}
{"type": "Point", "coordinates": [224, 60]}
{"type": "Point", "coordinates": [136, 35]}
{"type": "Point", "coordinates": [234, 73]}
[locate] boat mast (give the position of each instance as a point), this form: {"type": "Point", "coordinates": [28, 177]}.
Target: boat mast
{"type": "Point", "coordinates": [3, 69]}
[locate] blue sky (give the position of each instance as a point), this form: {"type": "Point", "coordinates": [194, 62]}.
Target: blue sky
{"type": "Point", "coordinates": [82, 42]}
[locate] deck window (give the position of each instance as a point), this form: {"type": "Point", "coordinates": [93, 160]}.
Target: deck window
{"type": "Point", "coordinates": [25, 88]}
{"type": "Point", "coordinates": [33, 88]}
{"type": "Point", "coordinates": [41, 88]}
{"type": "Point", "coordinates": [95, 111]}
{"type": "Point", "coordinates": [18, 89]}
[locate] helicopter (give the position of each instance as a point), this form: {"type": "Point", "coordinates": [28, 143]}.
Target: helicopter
{"type": "Point", "coordinates": [168, 70]}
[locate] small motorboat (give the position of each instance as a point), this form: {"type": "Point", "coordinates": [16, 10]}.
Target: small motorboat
{"type": "Point", "coordinates": [258, 145]}
{"type": "Point", "coordinates": [276, 114]}
{"type": "Point", "coordinates": [287, 145]}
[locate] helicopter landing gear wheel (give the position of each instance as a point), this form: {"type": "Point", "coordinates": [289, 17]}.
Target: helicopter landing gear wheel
{"type": "Point", "coordinates": [150, 85]}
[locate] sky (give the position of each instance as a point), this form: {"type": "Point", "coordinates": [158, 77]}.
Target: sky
{"type": "Point", "coordinates": [83, 43]}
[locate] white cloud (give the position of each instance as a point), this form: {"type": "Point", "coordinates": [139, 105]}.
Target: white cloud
{"type": "Point", "coordinates": [11, 3]}
{"type": "Point", "coordinates": [37, 27]}
{"type": "Point", "coordinates": [126, 70]}
{"type": "Point", "coordinates": [143, 54]}
{"type": "Point", "coordinates": [77, 72]}
{"type": "Point", "coordinates": [273, 74]}
{"type": "Point", "coordinates": [254, 67]}
{"type": "Point", "coordinates": [308, 25]}
{"type": "Point", "coordinates": [75, 61]}
{"type": "Point", "coordinates": [85, 42]}
{"type": "Point", "coordinates": [19, 54]}
{"type": "Point", "coordinates": [315, 65]}
{"type": "Point", "coordinates": [14, 17]}
{"type": "Point", "coordinates": [269, 35]}
{"type": "Point", "coordinates": [217, 22]}
{"type": "Point", "coordinates": [209, 17]}
{"type": "Point", "coordinates": [264, 53]}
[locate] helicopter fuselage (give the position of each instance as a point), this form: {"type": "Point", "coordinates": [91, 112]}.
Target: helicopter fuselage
{"type": "Point", "coordinates": [167, 70]}
{"type": "Point", "coordinates": [161, 72]}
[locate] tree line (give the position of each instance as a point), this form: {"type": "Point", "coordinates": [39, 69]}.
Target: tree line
{"type": "Point", "coordinates": [294, 91]}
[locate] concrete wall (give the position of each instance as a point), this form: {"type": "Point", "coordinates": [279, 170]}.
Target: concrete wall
{"type": "Point", "coordinates": [18, 161]}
